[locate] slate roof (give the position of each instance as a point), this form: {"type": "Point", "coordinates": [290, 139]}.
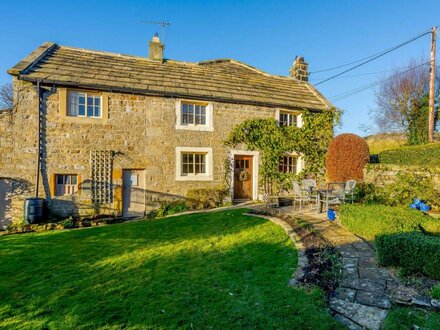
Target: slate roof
{"type": "Point", "coordinates": [224, 80]}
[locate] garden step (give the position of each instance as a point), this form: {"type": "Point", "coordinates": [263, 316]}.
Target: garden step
{"type": "Point", "coordinates": [376, 299]}
{"type": "Point", "coordinates": [365, 316]}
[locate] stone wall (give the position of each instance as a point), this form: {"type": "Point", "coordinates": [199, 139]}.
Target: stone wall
{"type": "Point", "coordinates": [139, 129]}
{"type": "Point", "coordinates": [384, 174]}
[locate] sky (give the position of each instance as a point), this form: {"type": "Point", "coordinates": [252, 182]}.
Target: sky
{"type": "Point", "coordinates": [265, 34]}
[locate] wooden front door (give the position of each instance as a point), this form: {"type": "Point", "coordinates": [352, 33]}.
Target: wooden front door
{"type": "Point", "coordinates": [133, 190]}
{"type": "Point", "coordinates": [243, 177]}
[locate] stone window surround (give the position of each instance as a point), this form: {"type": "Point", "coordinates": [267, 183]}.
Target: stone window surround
{"type": "Point", "coordinates": [255, 164]}
{"type": "Point", "coordinates": [209, 126]}
{"type": "Point", "coordinates": [53, 183]}
{"type": "Point", "coordinates": [64, 106]}
{"type": "Point", "coordinates": [199, 177]}
{"type": "Point", "coordinates": [293, 112]}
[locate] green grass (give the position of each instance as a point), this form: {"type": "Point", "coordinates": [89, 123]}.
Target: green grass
{"type": "Point", "coordinates": [406, 318]}
{"type": "Point", "coordinates": [377, 146]}
{"type": "Point", "coordinates": [218, 270]}
{"type": "Point", "coordinates": [427, 155]}
{"type": "Point", "coordinates": [369, 221]}
{"type": "Point", "coordinates": [435, 292]}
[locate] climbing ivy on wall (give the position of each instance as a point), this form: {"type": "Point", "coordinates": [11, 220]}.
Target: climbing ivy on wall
{"type": "Point", "coordinates": [273, 141]}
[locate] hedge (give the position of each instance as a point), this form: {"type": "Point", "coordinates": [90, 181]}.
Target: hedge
{"type": "Point", "coordinates": [346, 158]}
{"type": "Point", "coordinates": [413, 252]}
{"type": "Point", "coordinates": [424, 155]}
{"type": "Point", "coordinates": [369, 221]}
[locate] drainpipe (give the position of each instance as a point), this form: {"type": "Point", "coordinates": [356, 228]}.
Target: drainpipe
{"type": "Point", "coordinates": [40, 103]}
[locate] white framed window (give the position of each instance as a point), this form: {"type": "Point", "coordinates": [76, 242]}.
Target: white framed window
{"type": "Point", "coordinates": [194, 115]}
{"type": "Point", "coordinates": [288, 118]}
{"type": "Point", "coordinates": [82, 104]}
{"type": "Point", "coordinates": [288, 164]}
{"type": "Point", "coordinates": [193, 164]}
{"type": "Point", "coordinates": [66, 184]}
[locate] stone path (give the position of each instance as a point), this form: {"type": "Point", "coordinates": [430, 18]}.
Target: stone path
{"type": "Point", "coordinates": [361, 301]}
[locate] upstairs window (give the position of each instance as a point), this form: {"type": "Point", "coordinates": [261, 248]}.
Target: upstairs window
{"type": "Point", "coordinates": [193, 114]}
{"type": "Point", "coordinates": [288, 119]}
{"type": "Point", "coordinates": [288, 164]}
{"type": "Point", "coordinates": [83, 104]}
{"type": "Point", "coordinates": [66, 184]}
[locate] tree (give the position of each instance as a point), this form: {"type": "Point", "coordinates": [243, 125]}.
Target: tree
{"type": "Point", "coordinates": [402, 102]}
{"type": "Point", "coordinates": [6, 97]}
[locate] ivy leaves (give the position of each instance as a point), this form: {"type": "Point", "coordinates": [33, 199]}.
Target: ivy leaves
{"type": "Point", "coordinates": [273, 141]}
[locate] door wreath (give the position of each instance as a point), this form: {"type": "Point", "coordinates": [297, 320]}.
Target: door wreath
{"type": "Point", "coordinates": [244, 175]}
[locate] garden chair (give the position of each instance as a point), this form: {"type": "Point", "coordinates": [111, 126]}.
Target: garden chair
{"type": "Point", "coordinates": [335, 195]}
{"type": "Point", "coordinates": [349, 190]}
{"type": "Point", "coordinates": [300, 195]}
{"type": "Point", "coordinates": [310, 186]}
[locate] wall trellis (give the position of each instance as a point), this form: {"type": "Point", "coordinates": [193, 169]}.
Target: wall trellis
{"type": "Point", "coordinates": [101, 167]}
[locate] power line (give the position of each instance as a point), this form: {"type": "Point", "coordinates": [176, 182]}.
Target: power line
{"type": "Point", "coordinates": [375, 57]}
{"type": "Point", "coordinates": [356, 90]}
{"type": "Point", "coordinates": [363, 74]}
{"type": "Point", "coordinates": [357, 61]}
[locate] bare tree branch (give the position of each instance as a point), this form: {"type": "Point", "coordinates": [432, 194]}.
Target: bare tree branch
{"type": "Point", "coordinates": [6, 97]}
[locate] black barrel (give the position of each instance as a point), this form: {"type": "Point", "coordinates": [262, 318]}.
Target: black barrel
{"type": "Point", "coordinates": [33, 210]}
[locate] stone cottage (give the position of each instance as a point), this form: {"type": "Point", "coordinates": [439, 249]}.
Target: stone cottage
{"type": "Point", "coordinates": [98, 132]}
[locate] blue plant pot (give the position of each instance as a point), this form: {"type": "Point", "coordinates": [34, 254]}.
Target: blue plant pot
{"type": "Point", "coordinates": [331, 215]}
{"type": "Point", "coordinates": [417, 201]}
{"type": "Point", "coordinates": [424, 207]}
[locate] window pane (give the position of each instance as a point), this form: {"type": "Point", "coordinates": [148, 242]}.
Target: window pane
{"type": "Point", "coordinates": [97, 111]}
{"type": "Point", "coordinates": [74, 179]}
{"type": "Point", "coordinates": [191, 168]}
{"type": "Point", "coordinates": [82, 99]}
{"type": "Point", "coordinates": [98, 101]}
{"type": "Point", "coordinates": [73, 106]}
{"type": "Point", "coordinates": [90, 111]}
{"type": "Point", "coordinates": [60, 179]}
{"type": "Point", "coordinates": [81, 110]}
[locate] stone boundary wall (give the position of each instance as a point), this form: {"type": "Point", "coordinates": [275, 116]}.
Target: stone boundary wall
{"type": "Point", "coordinates": [385, 174]}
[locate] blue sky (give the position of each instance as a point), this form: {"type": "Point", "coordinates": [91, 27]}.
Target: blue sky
{"type": "Point", "coordinates": [264, 34]}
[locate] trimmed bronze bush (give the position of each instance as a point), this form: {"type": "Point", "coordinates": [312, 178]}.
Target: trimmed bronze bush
{"type": "Point", "coordinates": [346, 157]}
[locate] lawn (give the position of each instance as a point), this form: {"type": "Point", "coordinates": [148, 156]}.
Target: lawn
{"type": "Point", "coordinates": [217, 270]}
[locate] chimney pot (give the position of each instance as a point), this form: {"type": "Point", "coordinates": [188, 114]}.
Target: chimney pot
{"type": "Point", "coordinates": [299, 69]}
{"type": "Point", "coordinates": [156, 49]}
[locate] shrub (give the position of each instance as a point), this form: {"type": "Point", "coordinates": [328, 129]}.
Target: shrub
{"type": "Point", "coordinates": [168, 208]}
{"type": "Point", "coordinates": [424, 155]}
{"type": "Point", "coordinates": [409, 186]}
{"type": "Point", "coordinates": [198, 199]}
{"type": "Point", "coordinates": [414, 252]}
{"type": "Point", "coordinates": [346, 157]}
{"type": "Point", "coordinates": [369, 221]}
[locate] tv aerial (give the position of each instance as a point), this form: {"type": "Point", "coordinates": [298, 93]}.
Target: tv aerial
{"type": "Point", "coordinates": [163, 24]}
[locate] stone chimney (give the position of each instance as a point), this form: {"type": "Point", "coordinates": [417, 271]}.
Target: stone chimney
{"type": "Point", "coordinates": [299, 69]}
{"type": "Point", "coordinates": [156, 49]}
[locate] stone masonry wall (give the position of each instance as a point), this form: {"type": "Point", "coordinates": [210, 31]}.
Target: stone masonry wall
{"type": "Point", "coordinates": [140, 130]}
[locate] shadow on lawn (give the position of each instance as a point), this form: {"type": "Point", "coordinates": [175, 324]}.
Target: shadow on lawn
{"type": "Point", "coordinates": [220, 275]}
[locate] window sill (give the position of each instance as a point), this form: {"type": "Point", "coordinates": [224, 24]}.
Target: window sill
{"type": "Point", "coordinates": [194, 178]}
{"type": "Point", "coordinates": [195, 128]}
{"type": "Point", "coordinates": [84, 120]}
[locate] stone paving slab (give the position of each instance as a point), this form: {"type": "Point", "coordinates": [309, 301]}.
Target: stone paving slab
{"type": "Point", "coordinates": [363, 316]}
